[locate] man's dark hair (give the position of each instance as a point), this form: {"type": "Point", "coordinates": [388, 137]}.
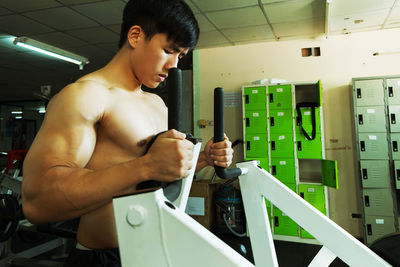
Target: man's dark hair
{"type": "Point", "coordinates": [172, 17]}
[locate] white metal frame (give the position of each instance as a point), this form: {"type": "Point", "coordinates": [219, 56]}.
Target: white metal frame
{"type": "Point", "coordinates": [153, 232]}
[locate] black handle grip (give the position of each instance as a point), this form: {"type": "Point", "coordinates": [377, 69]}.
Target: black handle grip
{"type": "Point", "coordinates": [174, 87]}
{"type": "Point", "coordinates": [219, 132]}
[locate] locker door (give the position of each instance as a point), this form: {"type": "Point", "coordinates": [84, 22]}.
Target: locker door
{"type": "Point", "coordinates": [397, 173]}
{"type": "Point", "coordinates": [371, 119]}
{"type": "Point", "coordinates": [369, 92]}
{"type": "Point", "coordinates": [394, 118]}
{"type": "Point", "coordinates": [280, 96]}
{"type": "Point", "coordinates": [255, 98]}
{"type": "Point", "coordinates": [377, 227]}
{"type": "Point", "coordinates": [255, 121]}
{"type": "Point", "coordinates": [375, 173]}
{"type": "Point", "coordinates": [280, 121]}
{"type": "Point", "coordinates": [373, 146]}
{"type": "Point", "coordinates": [393, 88]}
{"type": "Point", "coordinates": [378, 201]}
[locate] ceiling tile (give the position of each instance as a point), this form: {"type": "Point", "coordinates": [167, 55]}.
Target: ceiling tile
{"type": "Point", "coordinates": [213, 38]}
{"type": "Point", "coordinates": [278, 1]}
{"type": "Point", "coordinates": [295, 10]}
{"type": "Point", "coordinates": [4, 11]}
{"type": "Point", "coordinates": [76, 2]}
{"type": "Point", "coordinates": [369, 19]}
{"type": "Point", "coordinates": [105, 13]}
{"type": "Point", "coordinates": [310, 27]}
{"type": "Point", "coordinates": [115, 28]}
{"type": "Point", "coordinates": [204, 24]}
{"type": "Point", "coordinates": [243, 17]}
{"type": "Point", "coordinates": [245, 34]}
{"type": "Point", "coordinates": [62, 18]}
{"type": "Point", "coordinates": [95, 35]}
{"type": "Point", "coordinates": [59, 39]}
{"type": "Point", "coordinates": [92, 52]}
{"type": "Point", "coordinates": [395, 14]}
{"type": "Point", "coordinates": [192, 7]}
{"type": "Point", "coordinates": [212, 5]}
{"type": "Point", "coordinates": [340, 8]}
{"type": "Point", "coordinates": [28, 5]}
{"type": "Point", "coordinates": [18, 25]}
{"type": "Point", "coordinates": [112, 47]}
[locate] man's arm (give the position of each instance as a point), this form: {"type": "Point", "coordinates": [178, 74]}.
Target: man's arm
{"type": "Point", "coordinates": [56, 184]}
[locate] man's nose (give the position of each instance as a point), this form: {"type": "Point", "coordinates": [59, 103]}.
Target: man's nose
{"type": "Point", "coordinates": [172, 62]}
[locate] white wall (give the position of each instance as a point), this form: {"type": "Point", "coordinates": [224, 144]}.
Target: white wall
{"type": "Point", "coordinates": [342, 58]}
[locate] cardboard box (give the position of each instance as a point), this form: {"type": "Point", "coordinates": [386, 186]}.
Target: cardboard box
{"type": "Point", "coordinates": [200, 204]}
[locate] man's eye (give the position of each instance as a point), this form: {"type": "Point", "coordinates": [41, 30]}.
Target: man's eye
{"type": "Point", "coordinates": [167, 51]}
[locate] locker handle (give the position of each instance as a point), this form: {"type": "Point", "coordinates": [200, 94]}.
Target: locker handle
{"type": "Point", "coordinates": [398, 174]}
{"type": "Point", "coordinates": [364, 174]}
{"type": "Point", "coordinates": [276, 220]}
{"type": "Point", "coordinates": [246, 97]}
{"type": "Point", "coordinates": [271, 98]}
{"type": "Point", "coordinates": [272, 121]}
{"type": "Point", "coordinates": [395, 148]}
{"type": "Point", "coordinates": [247, 122]}
{"type": "Point", "coordinates": [248, 145]}
{"type": "Point", "coordinates": [273, 170]}
{"type": "Point", "coordinates": [272, 145]}
{"type": "Point", "coordinates": [299, 146]}
{"type": "Point", "coordinates": [298, 121]}
{"type": "Point", "coordinates": [360, 119]}
{"type": "Point", "coordinates": [369, 229]}
{"type": "Point", "coordinates": [358, 92]}
{"type": "Point", "coordinates": [393, 118]}
{"type": "Point", "coordinates": [362, 144]}
{"type": "Point", "coordinates": [302, 195]}
{"type": "Point", "coordinates": [390, 91]}
{"type": "Point", "coordinates": [366, 199]}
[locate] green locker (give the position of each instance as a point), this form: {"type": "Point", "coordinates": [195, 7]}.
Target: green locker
{"type": "Point", "coordinates": [255, 121]}
{"type": "Point", "coordinates": [256, 145]}
{"type": "Point", "coordinates": [378, 226]}
{"type": "Point", "coordinates": [280, 121]}
{"type": "Point", "coordinates": [282, 146]}
{"type": "Point", "coordinates": [375, 173]}
{"type": "Point", "coordinates": [373, 146]}
{"type": "Point", "coordinates": [315, 195]}
{"type": "Point", "coordinates": [283, 225]}
{"type": "Point", "coordinates": [371, 119]}
{"type": "Point", "coordinates": [397, 173]}
{"type": "Point", "coordinates": [369, 92]}
{"type": "Point", "coordinates": [284, 170]}
{"type": "Point", "coordinates": [394, 118]}
{"type": "Point", "coordinates": [393, 89]}
{"type": "Point", "coordinates": [378, 201]}
{"type": "Point", "coordinates": [306, 120]}
{"type": "Point", "coordinates": [280, 96]}
{"type": "Point", "coordinates": [255, 97]}
{"type": "Point", "coordinates": [308, 149]}
{"type": "Point", "coordinates": [395, 143]}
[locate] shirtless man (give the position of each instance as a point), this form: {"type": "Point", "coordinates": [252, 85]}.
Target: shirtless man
{"type": "Point", "coordinates": [91, 145]}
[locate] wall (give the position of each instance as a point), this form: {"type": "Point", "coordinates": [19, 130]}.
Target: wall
{"type": "Point", "coordinates": [342, 58]}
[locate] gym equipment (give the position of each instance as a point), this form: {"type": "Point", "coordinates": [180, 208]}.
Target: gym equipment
{"type": "Point", "coordinates": [153, 231]}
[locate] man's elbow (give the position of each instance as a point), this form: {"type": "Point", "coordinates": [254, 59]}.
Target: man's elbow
{"type": "Point", "coordinates": [31, 212]}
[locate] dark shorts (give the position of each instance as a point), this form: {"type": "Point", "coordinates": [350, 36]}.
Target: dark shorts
{"type": "Point", "coordinates": [93, 258]}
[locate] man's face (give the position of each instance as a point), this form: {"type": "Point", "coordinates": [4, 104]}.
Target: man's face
{"type": "Point", "coordinates": [153, 58]}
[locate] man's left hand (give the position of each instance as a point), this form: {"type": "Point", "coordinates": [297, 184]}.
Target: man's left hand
{"type": "Point", "coordinates": [220, 153]}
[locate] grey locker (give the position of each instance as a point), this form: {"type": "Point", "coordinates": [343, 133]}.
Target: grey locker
{"type": "Point", "coordinates": [397, 173]}
{"type": "Point", "coordinates": [377, 227]}
{"type": "Point", "coordinates": [369, 92]}
{"type": "Point", "coordinates": [394, 118]}
{"type": "Point", "coordinates": [395, 145]}
{"type": "Point", "coordinates": [378, 201]}
{"type": "Point", "coordinates": [371, 119]}
{"type": "Point", "coordinates": [393, 89]}
{"type": "Point", "coordinates": [375, 173]}
{"type": "Point", "coordinates": [373, 146]}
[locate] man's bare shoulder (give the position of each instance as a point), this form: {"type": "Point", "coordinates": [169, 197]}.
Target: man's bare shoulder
{"type": "Point", "coordinates": [155, 98]}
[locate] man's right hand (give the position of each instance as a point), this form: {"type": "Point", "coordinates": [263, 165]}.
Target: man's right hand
{"type": "Point", "coordinates": [170, 157]}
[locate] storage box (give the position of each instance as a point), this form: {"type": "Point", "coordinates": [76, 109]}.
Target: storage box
{"type": "Point", "coordinates": [200, 204]}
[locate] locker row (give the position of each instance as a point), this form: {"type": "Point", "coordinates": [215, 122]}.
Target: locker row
{"type": "Point", "coordinates": [282, 224]}
{"type": "Point", "coordinates": [375, 145]}
{"type": "Point", "coordinates": [372, 92]}
{"type": "Point", "coordinates": [377, 173]}
{"type": "Point", "coordinates": [282, 146]}
{"type": "Point", "coordinates": [281, 121]}
{"type": "Point", "coordinates": [373, 119]}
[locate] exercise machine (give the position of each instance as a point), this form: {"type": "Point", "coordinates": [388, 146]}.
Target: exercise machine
{"type": "Point", "coordinates": [154, 230]}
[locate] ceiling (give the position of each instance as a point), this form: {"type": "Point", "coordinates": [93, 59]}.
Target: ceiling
{"type": "Point", "coordinates": [91, 28]}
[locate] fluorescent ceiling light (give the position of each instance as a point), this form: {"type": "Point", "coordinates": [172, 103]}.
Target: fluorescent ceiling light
{"type": "Point", "coordinates": [51, 51]}
{"type": "Point", "coordinates": [16, 112]}
{"type": "Point", "coordinates": [18, 117]}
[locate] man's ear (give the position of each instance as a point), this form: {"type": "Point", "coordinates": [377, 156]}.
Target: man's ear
{"type": "Point", "coordinates": [135, 34]}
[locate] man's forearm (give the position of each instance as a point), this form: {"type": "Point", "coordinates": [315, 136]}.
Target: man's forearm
{"type": "Point", "coordinates": [201, 162]}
